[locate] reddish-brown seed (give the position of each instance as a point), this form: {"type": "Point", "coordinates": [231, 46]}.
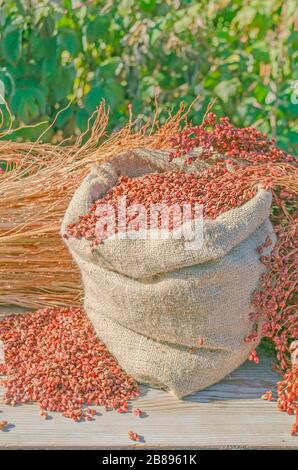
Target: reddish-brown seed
{"type": "Point", "coordinates": [133, 436]}
{"type": "Point", "coordinates": [216, 189]}
{"type": "Point", "coordinates": [53, 357]}
{"type": "Point", "coordinates": [247, 145]}
{"type": "Point", "coordinates": [267, 395]}
{"type": "Point", "coordinates": [191, 350]}
{"type": "Point", "coordinates": [276, 300]}
{"type": "Point", "coordinates": [3, 425]}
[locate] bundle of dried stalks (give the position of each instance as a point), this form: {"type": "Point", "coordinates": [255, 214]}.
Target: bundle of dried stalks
{"type": "Point", "coordinates": [35, 267]}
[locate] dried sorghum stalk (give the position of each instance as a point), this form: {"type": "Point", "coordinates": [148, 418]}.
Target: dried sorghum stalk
{"type": "Point", "coordinates": [257, 161]}
{"type": "Point", "coordinates": [276, 299]}
{"type": "Point", "coordinates": [227, 141]}
{"type": "Point", "coordinates": [287, 393]}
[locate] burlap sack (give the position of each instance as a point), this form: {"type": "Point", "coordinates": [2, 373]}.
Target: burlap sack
{"type": "Point", "coordinates": [151, 301]}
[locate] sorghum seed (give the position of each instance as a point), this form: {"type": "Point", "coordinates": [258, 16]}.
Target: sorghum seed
{"type": "Point", "coordinates": [53, 357]}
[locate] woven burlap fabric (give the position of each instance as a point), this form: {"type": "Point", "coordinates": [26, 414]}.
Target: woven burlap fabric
{"type": "Point", "coordinates": [152, 300]}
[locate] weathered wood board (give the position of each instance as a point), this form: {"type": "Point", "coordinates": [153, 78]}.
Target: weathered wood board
{"type": "Point", "coordinates": [227, 415]}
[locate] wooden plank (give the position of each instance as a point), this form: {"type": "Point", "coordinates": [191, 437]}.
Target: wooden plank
{"type": "Point", "coordinates": [227, 415]}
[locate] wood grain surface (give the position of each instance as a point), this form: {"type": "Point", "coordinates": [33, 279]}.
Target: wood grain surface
{"type": "Point", "coordinates": [227, 415]}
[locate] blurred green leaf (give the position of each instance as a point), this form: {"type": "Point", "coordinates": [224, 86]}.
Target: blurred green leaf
{"type": "Point", "coordinates": [95, 95]}
{"type": "Point", "coordinates": [28, 103]}
{"type": "Point", "coordinates": [69, 40]}
{"type": "Point", "coordinates": [43, 47]}
{"type": "Point", "coordinates": [260, 52]}
{"type": "Point", "coordinates": [260, 92]}
{"type": "Point", "coordinates": [81, 120]}
{"type": "Point", "coordinates": [97, 28]}
{"type": "Point", "coordinates": [108, 68]}
{"type": "Point", "coordinates": [47, 26]}
{"type": "Point", "coordinates": [293, 108]}
{"type": "Point", "coordinates": [64, 117]}
{"type": "Point", "coordinates": [12, 45]}
{"type": "Point", "coordinates": [147, 5]}
{"type": "Point", "coordinates": [49, 69]}
{"type": "Point", "coordinates": [62, 83]}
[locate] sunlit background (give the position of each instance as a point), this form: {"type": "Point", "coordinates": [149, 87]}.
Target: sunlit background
{"type": "Point", "coordinates": [244, 53]}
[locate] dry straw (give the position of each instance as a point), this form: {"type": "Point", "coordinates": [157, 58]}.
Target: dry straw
{"type": "Point", "coordinates": [35, 266]}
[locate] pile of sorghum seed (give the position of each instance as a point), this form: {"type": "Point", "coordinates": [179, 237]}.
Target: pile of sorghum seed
{"type": "Point", "coordinates": [287, 393]}
{"type": "Point", "coordinates": [53, 358]}
{"type": "Point", "coordinates": [170, 188]}
{"type": "Point", "coordinates": [276, 300]}
{"type": "Point", "coordinates": [219, 136]}
{"type": "Point", "coordinates": [276, 296]}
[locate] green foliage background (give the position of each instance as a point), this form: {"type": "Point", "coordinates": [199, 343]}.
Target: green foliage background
{"type": "Point", "coordinates": [244, 53]}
